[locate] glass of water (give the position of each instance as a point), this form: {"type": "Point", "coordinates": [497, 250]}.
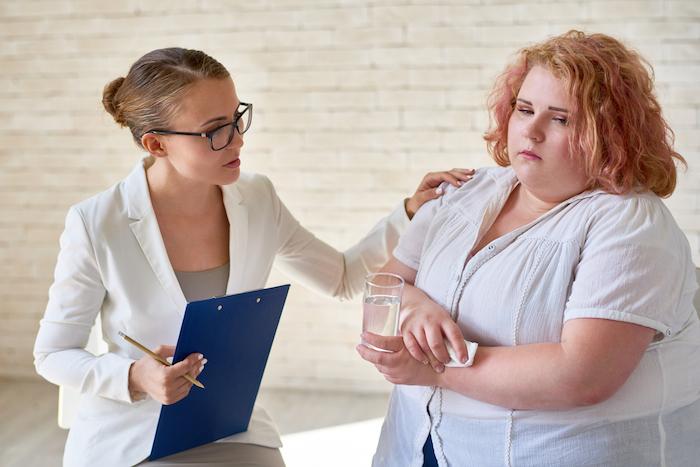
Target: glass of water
{"type": "Point", "coordinates": [380, 305]}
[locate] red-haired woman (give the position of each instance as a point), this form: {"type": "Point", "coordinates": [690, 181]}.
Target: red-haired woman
{"type": "Point", "coordinates": [568, 270]}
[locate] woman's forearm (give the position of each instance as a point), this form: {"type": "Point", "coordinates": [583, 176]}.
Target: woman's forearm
{"type": "Point", "coordinates": [592, 360]}
{"type": "Point", "coordinates": [534, 376]}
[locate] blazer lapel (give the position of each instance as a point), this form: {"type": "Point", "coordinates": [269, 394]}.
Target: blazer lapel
{"type": "Point", "coordinates": [237, 213]}
{"type": "Point", "coordinates": [145, 229]}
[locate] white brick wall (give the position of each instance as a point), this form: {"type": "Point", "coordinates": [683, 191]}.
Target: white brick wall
{"type": "Point", "coordinates": [354, 101]}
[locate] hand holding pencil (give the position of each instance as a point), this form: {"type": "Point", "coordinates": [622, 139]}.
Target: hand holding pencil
{"type": "Point", "coordinates": [154, 375]}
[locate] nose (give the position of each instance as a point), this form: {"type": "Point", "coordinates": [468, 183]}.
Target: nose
{"type": "Point", "coordinates": [533, 130]}
{"type": "Point", "coordinates": [237, 141]}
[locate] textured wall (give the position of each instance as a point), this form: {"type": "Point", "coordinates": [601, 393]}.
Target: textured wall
{"type": "Point", "coordinates": [354, 101]}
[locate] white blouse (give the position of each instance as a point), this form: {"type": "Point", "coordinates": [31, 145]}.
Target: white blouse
{"type": "Point", "coordinates": [596, 255]}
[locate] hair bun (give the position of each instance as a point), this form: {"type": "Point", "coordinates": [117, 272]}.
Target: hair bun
{"type": "Point", "coordinates": [109, 101]}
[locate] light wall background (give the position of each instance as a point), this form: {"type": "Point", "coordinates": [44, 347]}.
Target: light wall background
{"type": "Point", "coordinates": [354, 102]}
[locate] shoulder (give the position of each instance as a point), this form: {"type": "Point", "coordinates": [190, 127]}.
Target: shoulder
{"type": "Point", "coordinates": [496, 176]}
{"type": "Point", "coordinates": [631, 211]}
{"type": "Point", "coordinates": [464, 203]}
{"type": "Point", "coordinates": [640, 219]}
{"type": "Point", "coordinates": [104, 206]}
{"type": "Point", "coordinates": [116, 207]}
{"type": "Point", "coordinates": [487, 182]}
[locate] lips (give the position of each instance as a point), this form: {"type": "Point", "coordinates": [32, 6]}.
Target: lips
{"type": "Point", "coordinates": [529, 155]}
{"type": "Point", "coordinates": [233, 163]}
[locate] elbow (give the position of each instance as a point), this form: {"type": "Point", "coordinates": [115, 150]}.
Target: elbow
{"type": "Point", "coordinates": [42, 358]}
{"type": "Point", "coordinates": [39, 360]}
{"type": "Point", "coordinates": [343, 292]}
{"type": "Point", "coordinates": [590, 396]}
{"type": "Point", "coordinates": [586, 393]}
{"type": "Point", "coordinates": [349, 285]}
{"type": "Point", "coordinates": [39, 364]}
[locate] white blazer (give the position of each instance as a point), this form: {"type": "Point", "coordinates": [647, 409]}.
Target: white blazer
{"type": "Point", "coordinates": [113, 262]}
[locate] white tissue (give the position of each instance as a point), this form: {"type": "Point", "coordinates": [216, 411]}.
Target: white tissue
{"type": "Point", "coordinates": [454, 362]}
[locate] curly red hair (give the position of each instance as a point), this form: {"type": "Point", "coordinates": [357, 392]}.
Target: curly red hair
{"type": "Point", "coordinates": [617, 128]}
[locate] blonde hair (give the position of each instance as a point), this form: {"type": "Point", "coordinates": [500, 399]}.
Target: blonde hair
{"type": "Point", "coordinates": [150, 94]}
{"type": "Point", "coordinates": [618, 131]}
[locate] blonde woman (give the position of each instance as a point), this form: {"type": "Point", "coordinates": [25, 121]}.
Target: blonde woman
{"type": "Point", "coordinates": [569, 271]}
{"type": "Point", "coordinates": [185, 224]}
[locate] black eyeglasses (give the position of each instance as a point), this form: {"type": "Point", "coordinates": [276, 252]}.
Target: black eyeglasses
{"type": "Point", "coordinates": [221, 136]}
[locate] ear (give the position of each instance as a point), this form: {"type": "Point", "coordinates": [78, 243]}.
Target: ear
{"type": "Point", "coordinates": [154, 145]}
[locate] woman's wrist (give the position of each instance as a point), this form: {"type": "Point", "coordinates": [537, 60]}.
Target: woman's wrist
{"type": "Point", "coordinates": [407, 310]}
{"type": "Point", "coordinates": [135, 389]}
{"type": "Point", "coordinates": [457, 378]}
{"type": "Point", "coordinates": [440, 379]}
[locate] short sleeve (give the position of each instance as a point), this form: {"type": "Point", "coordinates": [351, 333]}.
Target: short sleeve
{"type": "Point", "coordinates": [411, 242]}
{"type": "Point", "coordinates": [633, 265]}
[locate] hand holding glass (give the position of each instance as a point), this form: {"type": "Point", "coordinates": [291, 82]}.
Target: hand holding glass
{"type": "Point", "coordinates": [380, 305]}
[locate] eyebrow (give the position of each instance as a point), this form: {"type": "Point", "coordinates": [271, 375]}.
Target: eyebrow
{"type": "Point", "coordinates": [216, 119]}
{"type": "Point", "coordinates": [212, 120]}
{"type": "Point", "coordinates": [557, 109]}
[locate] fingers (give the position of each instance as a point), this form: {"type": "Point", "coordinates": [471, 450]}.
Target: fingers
{"type": "Point", "coordinates": [176, 394]}
{"type": "Point", "coordinates": [385, 362]}
{"type": "Point", "coordinates": [373, 356]}
{"type": "Point", "coordinates": [463, 175]}
{"type": "Point", "coordinates": [165, 351]}
{"type": "Point", "coordinates": [435, 363]}
{"type": "Point", "coordinates": [176, 387]}
{"type": "Point", "coordinates": [422, 197]}
{"type": "Point", "coordinates": [448, 177]}
{"type": "Point", "coordinates": [179, 385]}
{"type": "Point", "coordinates": [465, 172]}
{"type": "Point", "coordinates": [456, 339]}
{"type": "Point", "coordinates": [168, 390]}
{"type": "Point", "coordinates": [425, 347]}
{"type": "Point", "coordinates": [394, 345]}
{"type": "Point", "coordinates": [455, 177]}
{"type": "Point", "coordinates": [430, 188]}
{"type": "Point", "coordinates": [390, 343]}
{"type": "Point", "coordinates": [190, 363]}
{"type": "Point", "coordinates": [436, 343]}
{"type": "Point", "coordinates": [198, 369]}
{"type": "Point", "coordinates": [414, 348]}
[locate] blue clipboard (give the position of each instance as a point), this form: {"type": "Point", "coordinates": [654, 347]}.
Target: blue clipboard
{"type": "Point", "coordinates": [235, 334]}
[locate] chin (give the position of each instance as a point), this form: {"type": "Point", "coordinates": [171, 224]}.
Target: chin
{"type": "Point", "coordinates": [231, 177]}
{"type": "Point", "coordinates": [528, 174]}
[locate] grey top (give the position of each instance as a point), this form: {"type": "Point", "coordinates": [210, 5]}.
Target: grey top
{"type": "Point", "coordinates": [198, 285]}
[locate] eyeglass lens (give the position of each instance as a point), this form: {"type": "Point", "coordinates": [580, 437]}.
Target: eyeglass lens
{"type": "Point", "coordinates": [223, 136]}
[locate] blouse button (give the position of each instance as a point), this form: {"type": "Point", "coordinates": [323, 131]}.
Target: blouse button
{"type": "Point", "coordinates": [491, 247]}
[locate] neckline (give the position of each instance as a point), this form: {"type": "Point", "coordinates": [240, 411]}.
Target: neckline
{"type": "Point", "coordinates": [203, 271]}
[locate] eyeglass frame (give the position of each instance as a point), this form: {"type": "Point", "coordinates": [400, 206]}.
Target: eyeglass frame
{"type": "Point", "coordinates": [210, 134]}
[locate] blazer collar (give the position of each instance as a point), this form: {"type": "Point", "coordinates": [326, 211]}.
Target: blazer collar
{"type": "Point", "coordinates": [145, 228]}
{"type": "Point", "coordinates": [139, 198]}
{"type": "Point", "coordinates": [237, 213]}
